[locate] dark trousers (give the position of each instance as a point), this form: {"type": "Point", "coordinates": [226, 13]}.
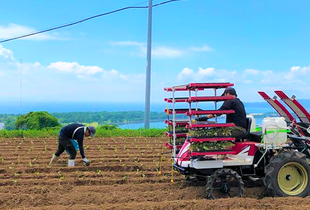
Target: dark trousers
{"type": "Point", "coordinates": [65, 144]}
{"type": "Point", "coordinates": [238, 132]}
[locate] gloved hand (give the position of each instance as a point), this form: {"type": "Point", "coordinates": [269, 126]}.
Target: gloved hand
{"type": "Point", "coordinates": [86, 161]}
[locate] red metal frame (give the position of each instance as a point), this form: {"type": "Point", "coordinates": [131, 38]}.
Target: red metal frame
{"type": "Point", "coordinates": [249, 146]}
{"type": "Point", "coordinates": [194, 87]}
{"type": "Point", "coordinates": [282, 111]}
{"type": "Point", "coordinates": [177, 134]}
{"type": "Point", "coordinates": [170, 100]}
{"type": "Point", "coordinates": [170, 89]}
{"type": "Point", "coordinates": [209, 85]}
{"type": "Point", "coordinates": [198, 86]}
{"type": "Point", "coordinates": [303, 115]}
{"type": "Point", "coordinates": [190, 113]}
{"type": "Point", "coordinates": [230, 152]}
{"type": "Point", "coordinates": [169, 146]}
{"type": "Point", "coordinates": [209, 98]}
{"type": "Point", "coordinates": [177, 123]}
{"type": "Point", "coordinates": [178, 111]}
{"type": "Point", "coordinates": [211, 139]}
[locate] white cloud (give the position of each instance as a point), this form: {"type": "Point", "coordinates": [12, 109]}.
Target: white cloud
{"type": "Point", "coordinates": [14, 30]}
{"type": "Point", "coordinates": [115, 73]}
{"type": "Point", "coordinates": [89, 72]}
{"type": "Point", "coordinates": [185, 74]}
{"type": "Point", "coordinates": [75, 68]}
{"type": "Point", "coordinates": [208, 74]}
{"type": "Point", "coordinates": [5, 53]}
{"type": "Point", "coordinates": [166, 52]}
{"type": "Point", "coordinates": [205, 72]}
{"type": "Point", "coordinates": [36, 64]}
{"type": "Point", "coordinates": [128, 43]}
{"type": "Point", "coordinates": [204, 48]}
{"type": "Point", "coordinates": [251, 71]}
{"type": "Point", "coordinates": [295, 68]}
{"type": "Point", "coordinates": [160, 51]}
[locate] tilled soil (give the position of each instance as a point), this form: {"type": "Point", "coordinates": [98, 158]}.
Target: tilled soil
{"type": "Point", "coordinates": [124, 174]}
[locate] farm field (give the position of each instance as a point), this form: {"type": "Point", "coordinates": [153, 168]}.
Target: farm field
{"type": "Point", "coordinates": [123, 175]}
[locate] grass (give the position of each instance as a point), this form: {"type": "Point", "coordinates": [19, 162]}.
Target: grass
{"type": "Point", "coordinates": [101, 132]}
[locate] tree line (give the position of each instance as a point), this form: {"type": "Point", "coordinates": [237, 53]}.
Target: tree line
{"type": "Point", "coordinates": [38, 119]}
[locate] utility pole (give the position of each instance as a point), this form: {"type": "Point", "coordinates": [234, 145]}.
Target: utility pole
{"type": "Point", "coordinates": [148, 69]}
{"type": "Point", "coordinates": [21, 87]}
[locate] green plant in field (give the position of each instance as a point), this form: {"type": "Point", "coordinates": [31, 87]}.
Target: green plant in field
{"type": "Point", "coordinates": [178, 141]}
{"type": "Point", "coordinates": [210, 132]}
{"type": "Point", "coordinates": [207, 146]}
{"type": "Point", "coordinates": [61, 176]}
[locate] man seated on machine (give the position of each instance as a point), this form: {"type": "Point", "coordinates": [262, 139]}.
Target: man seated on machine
{"type": "Point", "coordinates": [238, 118]}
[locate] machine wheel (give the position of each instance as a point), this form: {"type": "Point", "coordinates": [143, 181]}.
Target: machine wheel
{"type": "Point", "coordinates": [224, 183]}
{"type": "Point", "coordinates": [287, 174]}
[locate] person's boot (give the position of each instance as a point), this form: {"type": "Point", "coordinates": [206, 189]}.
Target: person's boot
{"type": "Point", "coordinates": [54, 159]}
{"type": "Point", "coordinates": [71, 162]}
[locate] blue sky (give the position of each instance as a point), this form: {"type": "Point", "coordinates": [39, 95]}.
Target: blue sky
{"type": "Point", "coordinates": [257, 45]}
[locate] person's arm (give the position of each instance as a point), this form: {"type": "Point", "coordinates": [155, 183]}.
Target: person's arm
{"type": "Point", "coordinates": [205, 118]}
{"type": "Point", "coordinates": [80, 141]}
{"type": "Point", "coordinates": [79, 136]}
{"type": "Point", "coordinates": [226, 105]}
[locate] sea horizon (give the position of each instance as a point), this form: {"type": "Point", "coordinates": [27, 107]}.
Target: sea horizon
{"type": "Point", "coordinates": [53, 107]}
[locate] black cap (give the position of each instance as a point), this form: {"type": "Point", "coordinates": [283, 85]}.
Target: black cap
{"type": "Point", "coordinates": [230, 90]}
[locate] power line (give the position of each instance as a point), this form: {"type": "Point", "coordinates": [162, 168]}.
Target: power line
{"type": "Point", "coordinates": [86, 19]}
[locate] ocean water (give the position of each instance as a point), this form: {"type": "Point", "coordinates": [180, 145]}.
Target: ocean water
{"type": "Point", "coordinates": [26, 107]}
{"type": "Point", "coordinates": [162, 124]}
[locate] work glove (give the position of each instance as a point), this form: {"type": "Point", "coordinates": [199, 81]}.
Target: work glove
{"type": "Point", "coordinates": [86, 161]}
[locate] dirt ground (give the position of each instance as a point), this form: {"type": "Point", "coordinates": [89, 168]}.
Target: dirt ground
{"type": "Point", "coordinates": [123, 175]}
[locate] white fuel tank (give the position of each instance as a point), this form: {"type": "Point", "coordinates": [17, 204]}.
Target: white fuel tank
{"type": "Point", "coordinates": [275, 131]}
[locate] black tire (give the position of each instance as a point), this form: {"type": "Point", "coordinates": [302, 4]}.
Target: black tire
{"type": "Point", "coordinates": [287, 174]}
{"type": "Point", "coordinates": [224, 183]}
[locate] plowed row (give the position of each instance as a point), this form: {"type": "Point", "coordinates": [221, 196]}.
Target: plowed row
{"type": "Point", "coordinates": [123, 175]}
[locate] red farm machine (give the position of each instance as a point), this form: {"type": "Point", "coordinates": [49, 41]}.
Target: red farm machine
{"type": "Point", "coordinates": [278, 153]}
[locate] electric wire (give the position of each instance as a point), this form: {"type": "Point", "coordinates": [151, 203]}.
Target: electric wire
{"type": "Point", "coordinates": [86, 19]}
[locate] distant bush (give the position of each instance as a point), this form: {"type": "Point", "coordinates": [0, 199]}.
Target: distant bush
{"type": "Point", "coordinates": [36, 120]}
{"type": "Point", "coordinates": [108, 127]}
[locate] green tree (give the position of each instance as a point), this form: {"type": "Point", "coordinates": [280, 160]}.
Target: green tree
{"type": "Point", "coordinates": [9, 122]}
{"type": "Point", "coordinates": [36, 120]}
